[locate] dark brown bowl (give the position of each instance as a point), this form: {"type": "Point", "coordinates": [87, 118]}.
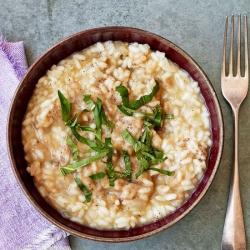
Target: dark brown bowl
{"type": "Point", "coordinates": [63, 49]}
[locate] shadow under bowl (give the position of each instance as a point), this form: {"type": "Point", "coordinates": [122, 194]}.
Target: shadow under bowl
{"type": "Point", "coordinates": [60, 51]}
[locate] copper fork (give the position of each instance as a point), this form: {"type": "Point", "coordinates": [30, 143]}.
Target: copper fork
{"type": "Point", "coordinates": [234, 89]}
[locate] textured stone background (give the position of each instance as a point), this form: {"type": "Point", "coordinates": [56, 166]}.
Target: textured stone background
{"type": "Point", "coordinates": [195, 26]}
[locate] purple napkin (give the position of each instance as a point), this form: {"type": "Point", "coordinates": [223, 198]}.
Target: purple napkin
{"type": "Point", "coordinates": [22, 227]}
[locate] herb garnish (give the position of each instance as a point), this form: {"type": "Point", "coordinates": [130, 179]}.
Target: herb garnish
{"type": "Point", "coordinates": [144, 151]}
{"type": "Point", "coordinates": [98, 176]}
{"type": "Point", "coordinates": [84, 189]}
{"type": "Point", "coordinates": [73, 147]}
{"type": "Point", "coordinates": [99, 114]}
{"type": "Point", "coordinates": [127, 163]}
{"type": "Point", "coordinates": [123, 91]}
{"type": "Point", "coordinates": [129, 108]}
{"type": "Point", "coordinates": [66, 106]}
{"type": "Point", "coordinates": [101, 149]}
{"type": "Point", "coordinates": [78, 164]}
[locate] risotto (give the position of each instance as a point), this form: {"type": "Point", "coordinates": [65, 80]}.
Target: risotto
{"type": "Point", "coordinates": [116, 136]}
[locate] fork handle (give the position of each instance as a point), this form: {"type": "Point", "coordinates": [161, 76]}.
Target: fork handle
{"type": "Point", "coordinates": [234, 237]}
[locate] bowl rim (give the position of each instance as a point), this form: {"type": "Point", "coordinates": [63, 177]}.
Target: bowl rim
{"type": "Point", "coordinates": [100, 238]}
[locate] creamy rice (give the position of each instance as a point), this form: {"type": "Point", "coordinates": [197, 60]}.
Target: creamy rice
{"type": "Point", "coordinates": [98, 70]}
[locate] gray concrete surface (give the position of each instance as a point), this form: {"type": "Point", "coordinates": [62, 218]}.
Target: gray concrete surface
{"type": "Point", "coordinates": [197, 27]}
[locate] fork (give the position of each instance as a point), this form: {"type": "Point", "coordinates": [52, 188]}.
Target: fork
{"type": "Point", "coordinates": [234, 89]}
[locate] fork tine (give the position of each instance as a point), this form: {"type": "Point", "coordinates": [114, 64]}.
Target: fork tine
{"type": "Point", "coordinates": [238, 52]}
{"type": "Point", "coordinates": [223, 69]}
{"type": "Point", "coordinates": [246, 48]}
{"type": "Point", "coordinates": [231, 47]}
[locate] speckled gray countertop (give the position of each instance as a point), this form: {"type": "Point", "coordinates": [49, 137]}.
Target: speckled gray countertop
{"type": "Point", "coordinates": [197, 27]}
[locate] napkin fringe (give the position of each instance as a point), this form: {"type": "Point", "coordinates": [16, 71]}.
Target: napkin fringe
{"type": "Point", "coordinates": [47, 238]}
{"type": "Point", "coordinates": [19, 70]}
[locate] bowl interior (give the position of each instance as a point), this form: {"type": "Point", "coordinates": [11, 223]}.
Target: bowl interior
{"type": "Point", "coordinates": [76, 43]}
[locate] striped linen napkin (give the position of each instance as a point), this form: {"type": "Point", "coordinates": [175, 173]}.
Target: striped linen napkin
{"type": "Point", "coordinates": [22, 227]}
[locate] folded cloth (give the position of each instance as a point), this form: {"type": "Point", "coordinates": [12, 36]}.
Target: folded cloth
{"type": "Point", "coordinates": [22, 227]}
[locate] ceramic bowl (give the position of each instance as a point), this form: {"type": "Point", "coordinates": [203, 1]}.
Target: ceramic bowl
{"type": "Point", "coordinates": [78, 42]}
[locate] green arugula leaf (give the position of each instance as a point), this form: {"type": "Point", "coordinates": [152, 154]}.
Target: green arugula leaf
{"type": "Point", "coordinates": [72, 167]}
{"type": "Point", "coordinates": [152, 158]}
{"type": "Point", "coordinates": [127, 165]}
{"type": "Point", "coordinates": [108, 144]}
{"type": "Point", "coordinates": [168, 116]}
{"type": "Point", "coordinates": [73, 147]}
{"type": "Point", "coordinates": [82, 139]}
{"type": "Point", "coordinates": [158, 116]}
{"type": "Point", "coordinates": [88, 101]}
{"type": "Point", "coordinates": [85, 110]}
{"type": "Point", "coordinates": [143, 147]}
{"type": "Point", "coordinates": [111, 174]}
{"type": "Point", "coordinates": [147, 136]}
{"type": "Point", "coordinates": [130, 139]}
{"type": "Point", "coordinates": [84, 189]}
{"type": "Point", "coordinates": [169, 173]}
{"type": "Point", "coordinates": [105, 121]}
{"type": "Point", "coordinates": [123, 91]}
{"type": "Point", "coordinates": [158, 153]}
{"type": "Point", "coordinates": [128, 107]}
{"type": "Point", "coordinates": [144, 151]}
{"type": "Point", "coordinates": [146, 98]}
{"type": "Point", "coordinates": [144, 166]}
{"type": "Point", "coordinates": [124, 110]}
{"type": "Point", "coordinates": [85, 128]}
{"type": "Point", "coordinates": [148, 122]}
{"type": "Point", "coordinates": [66, 106]}
{"type": "Point", "coordinates": [90, 150]}
{"type": "Point", "coordinates": [130, 112]}
{"type": "Point", "coordinates": [97, 110]}
{"type": "Point", "coordinates": [110, 168]}
{"type": "Point", "coordinates": [98, 176]}
{"type": "Point", "coordinates": [72, 122]}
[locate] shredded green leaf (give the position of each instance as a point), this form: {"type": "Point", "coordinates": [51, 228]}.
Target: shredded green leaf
{"type": "Point", "coordinates": [98, 176]}
{"type": "Point", "coordinates": [88, 101]}
{"type": "Point", "coordinates": [85, 128]}
{"type": "Point", "coordinates": [90, 150]}
{"type": "Point", "coordinates": [84, 189]}
{"type": "Point", "coordinates": [130, 139]}
{"type": "Point", "coordinates": [110, 168]}
{"type": "Point", "coordinates": [153, 159]}
{"type": "Point", "coordinates": [97, 110]}
{"type": "Point", "coordinates": [144, 166]}
{"type": "Point", "coordinates": [158, 153]}
{"type": "Point", "coordinates": [144, 151]}
{"type": "Point", "coordinates": [66, 106]}
{"type": "Point", "coordinates": [127, 165]}
{"type": "Point", "coordinates": [72, 122]}
{"type": "Point", "coordinates": [78, 164]}
{"type": "Point", "coordinates": [168, 116]}
{"type": "Point", "coordinates": [130, 112]}
{"type": "Point", "coordinates": [147, 136]}
{"type": "Point", "coordinates": [162, 171]}
{"type": "Point", "coordinates": [105, 121]}
{"type": "Point", "coordinates": [73, 147]}
{"type": "Point", "coordinates": [99, 115]}
{"type": "Point", "coordinates": [158, 116]}
{"type": "Point", "coordinates": [125, 110]}
{"type": "Point", "coordinates": [82, 139]}
{"type": "Point", "coordinates": [123, 91]}
{"type": "Point", "coordinates": [145, 99]}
